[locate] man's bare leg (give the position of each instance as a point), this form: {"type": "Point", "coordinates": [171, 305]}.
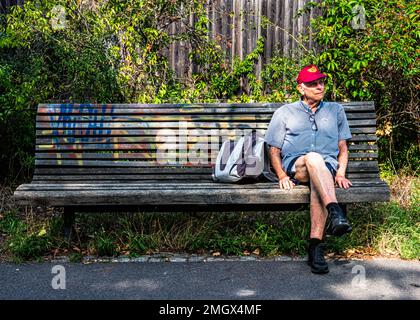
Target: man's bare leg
{"type": "Point", "coordinates": [311, 167]}
{"type": "Point", "coordinates": [318, 212]}
{"type": "Point", "coordinates": [318, 215]}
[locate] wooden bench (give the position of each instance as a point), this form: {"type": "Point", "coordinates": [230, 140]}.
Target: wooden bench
{"type": "Point", "coordinates": [159, 157]}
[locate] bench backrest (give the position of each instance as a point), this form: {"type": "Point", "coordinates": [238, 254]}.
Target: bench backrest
{"type": "Point", "coordinates": [90, 143]}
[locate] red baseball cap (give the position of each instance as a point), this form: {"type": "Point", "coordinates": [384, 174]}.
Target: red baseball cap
{"type": "Point", "coordinates": [309, 73]}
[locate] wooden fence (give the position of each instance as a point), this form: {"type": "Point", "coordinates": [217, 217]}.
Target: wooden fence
{"type": "Point", "coordinates": [237, 24]}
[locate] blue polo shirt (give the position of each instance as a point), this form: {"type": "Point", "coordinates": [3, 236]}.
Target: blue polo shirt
{"type": "Point", "coordinates": [292, 130]}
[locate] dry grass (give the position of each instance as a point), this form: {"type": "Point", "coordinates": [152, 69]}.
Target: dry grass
{"type": "Point", "coordinates": [405, 190]}
{"type": "Point", "coordinates": [6, 199]}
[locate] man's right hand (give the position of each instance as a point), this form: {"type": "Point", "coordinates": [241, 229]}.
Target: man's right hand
{"type": "Point", "coordinates": [286, 183]}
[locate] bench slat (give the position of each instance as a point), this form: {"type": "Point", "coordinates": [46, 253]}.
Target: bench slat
{"type": "Point", "coordinates": [193, 196]}
{"type": "Point", "coordinates": [362, 106]}
{"type": "Point", "coordinates": [63, 171]}
{"type": "Point", "coordinates": [353, 147]}
{"type": "Point", "coordinates": [128, 171]}
{"type": "Point", "coordinates": [145, 155]}
{"type": "Point", "coordinates": [137, 144]}
{"type": "Point", "coordinates": [94, 118]}
{"type": "Point", "coordinates": [143, 176]}
{"type": "Point", "coordinates": [349, 175]}
{"type": "Point", "coordinates": [132, 177]}
{"type": "Point", "coordinates": [143, 125]}
{"type": "Point", "coordinates": [362, 175]}
{"type": "Point", "coordinates": [134, 139]}
{"type": "Point", "coordinates": [240, 124]}
{"type": "Point", "coordinates": [353, 165]}
{"type": "Point", "coordinates": [45, 142]}
{"type": "Point", "coordinates": [169, 185]}
{"type": "Point", "coordinates": [103, 163]}
{"type": "Point", "coordinates": [152, 118]}
{"type": "Point", "coordinates": [154, 132]}
{"type": "Point", "coordinates": [155, 110]}
{"type": "Point", "coordinates": [357, 155]}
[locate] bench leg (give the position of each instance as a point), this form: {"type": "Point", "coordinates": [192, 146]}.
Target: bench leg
{"type": "Point", "coordinates": [69, 215]}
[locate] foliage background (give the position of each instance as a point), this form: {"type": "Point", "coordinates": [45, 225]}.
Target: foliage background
{"type": "Point", "coordinates": [112, 51]}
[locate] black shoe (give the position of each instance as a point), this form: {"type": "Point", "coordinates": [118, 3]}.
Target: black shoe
{"type": "Point", "coordinates": [337, 222]}
{"type": "Point", "coordinates": [316, 258]}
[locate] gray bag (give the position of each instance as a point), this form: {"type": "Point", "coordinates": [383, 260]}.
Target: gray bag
{"type": "Point", "coordinates": [245, 159]}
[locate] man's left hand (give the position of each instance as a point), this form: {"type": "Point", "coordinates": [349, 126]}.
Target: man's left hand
{"type": "Point", "coordinates": [343, 182]}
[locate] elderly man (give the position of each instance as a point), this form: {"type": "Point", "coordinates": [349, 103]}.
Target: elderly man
{"type": "Point", "coordinates": [308, 144]}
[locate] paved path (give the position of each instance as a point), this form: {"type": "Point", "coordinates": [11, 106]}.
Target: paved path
{"type": "Point", "coordinates": [370, 279]}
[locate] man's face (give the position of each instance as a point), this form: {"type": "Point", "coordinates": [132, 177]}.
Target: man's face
{"type": "Point", "coordinates": [314, 90]}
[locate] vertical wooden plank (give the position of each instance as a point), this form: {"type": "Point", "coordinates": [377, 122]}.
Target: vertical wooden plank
{"type": "Point", "coordinates": [214, 19]}
{"type": "Point", "coordinates": [262, 8]}
{"type": "Point", "coordinates": [241, 37]}
{"type": "Point", "coordinates": [181, 51]}
{"type": "Point", "coordinates": [273, 29]}
{"type": "Point", "coordinates": [286, 27]}
{"type": "Point", "coordinates": [187, 73]}
{"type": "Point", "coordinates": [311, 16]}
{"type": "Point", "coordinates": [244, 38]}
{"type": "Point", "coordinates": [208, 5]}
{"type": "Point", "coordinates": [222, 17]}
{"type": "Point", "coordinates": [305, 25]}
{"type": "Point", "coordinates": [282, 24]}
{"type": "Point", "coordinates": [277, 30]}
{"type": "Point", "coordinates": [235, 29]}
{"type": "Point", "coordinates": [258, 13]}
{"type": "Point", "coordinates": [300, 20]}
{"type": "Point", "coordinates": [229, 24]}
{"type": "Point", "coordinates": [172, 47]}
{"type": "Point", "coordinates": [251, 37]}
{"type": "Point", "coordinates": [315, 13]}
{"type": "Point", "coordinates": [244, 28]}
{"type": "Point", "coordinates": [241, 27]}
{"type": "Point", "coordinates": [224, 27]}
{"type": "Point", "coordinates": [185, 48]}
{"type": "Point", "coordinates": [293, 26]}
{"type": "Point", "coordinates": [299, 26]}
{"type": "Point", "coordinates": [268, 45]}
{"type": "Point", "coordinates": [191, 67]}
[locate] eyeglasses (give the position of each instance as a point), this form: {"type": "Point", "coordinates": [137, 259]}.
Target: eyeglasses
{"type": "Point", "coordinates": [313, 122]}
{"type": "Point", "coordinates": [315, 83]}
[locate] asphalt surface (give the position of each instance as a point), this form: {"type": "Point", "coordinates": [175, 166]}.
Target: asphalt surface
{"type": "Point", "coordinates": [382, 279]}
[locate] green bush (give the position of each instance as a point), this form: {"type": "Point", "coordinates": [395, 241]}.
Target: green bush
{"type": "Point", "coordinates": [105, 244]}
{"type": "Point", "coordinates": [29, 247]}
{"type": "Point", "coordinates": [140, 244]}
{"type": "Point", "coordinates": [22, 243]}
